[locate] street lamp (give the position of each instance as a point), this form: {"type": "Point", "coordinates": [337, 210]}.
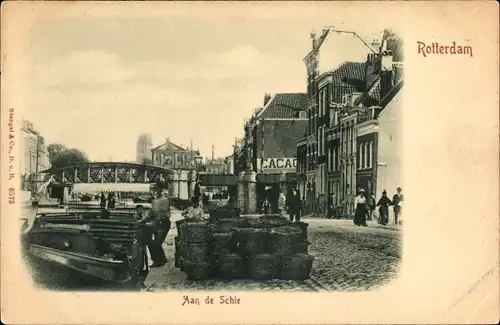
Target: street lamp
{"type": "Point", "coordinates": [197, 160]}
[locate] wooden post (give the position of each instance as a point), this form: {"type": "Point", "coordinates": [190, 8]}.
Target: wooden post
{"type": "Point", "coordinates": [116, 174]}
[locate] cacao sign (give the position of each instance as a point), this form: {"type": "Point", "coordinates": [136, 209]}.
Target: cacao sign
{"type": "Point", "coordinates": [278, 163]}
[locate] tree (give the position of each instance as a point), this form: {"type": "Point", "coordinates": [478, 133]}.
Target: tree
{"type": "Point", "coordinates": [60, 155]}
{"type": "Point", "coordinates": [54, 150]}
{"type": "Point", "coordinates": [147, 161]}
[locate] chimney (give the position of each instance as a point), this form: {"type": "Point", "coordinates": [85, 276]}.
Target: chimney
{"type": "Point", "coordinates": [371, 69]}
{"type": "Point", "coordinates": [376, 45]}
{"type": "Point", "coordinates": [267, 98]}
{"type": "Point", "coordinates": [386, 73]}
{"type": "Point", "coordinates": [213, 152]}
{"type": "Point", "coordinates": [167, 140]}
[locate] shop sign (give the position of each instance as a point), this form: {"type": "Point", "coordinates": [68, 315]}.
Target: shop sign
{"type": "Point", "coordinates": [278, 163]}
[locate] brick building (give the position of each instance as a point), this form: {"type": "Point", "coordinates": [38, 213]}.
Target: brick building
{"type": "Point", "coordinates": [269, 145]}
{"type": "Point", "coordinates": [338, 152]}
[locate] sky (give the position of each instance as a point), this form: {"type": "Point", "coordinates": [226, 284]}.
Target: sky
{"type": "Point", "coordinates": [96, 80]}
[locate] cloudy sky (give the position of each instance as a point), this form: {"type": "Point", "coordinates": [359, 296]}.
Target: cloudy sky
{"type": "Point", "coordinates": [97, 77]}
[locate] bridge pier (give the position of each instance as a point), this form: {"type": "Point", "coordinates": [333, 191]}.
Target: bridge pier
{"type": "Point", "coordinates": [191, 182]}
{"type": "Point", "coordinates": [183, 185]}
{"type": "Point", "coordinates": [247, 192]}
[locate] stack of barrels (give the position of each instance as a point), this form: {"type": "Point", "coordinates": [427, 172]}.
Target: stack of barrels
{"type": "Point", "coordinates": [231, 247]}
{"type": "Point", "coordinates": [192, 249]}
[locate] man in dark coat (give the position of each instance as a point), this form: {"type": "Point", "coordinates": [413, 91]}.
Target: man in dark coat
{"type": "Point", "coordinates": [197, 190]}
{"type": "Point", "coordinates": [396, 200]}
{"type": "Point", "coordinates": [293, 203]}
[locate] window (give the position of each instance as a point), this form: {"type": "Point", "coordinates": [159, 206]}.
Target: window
{"type": "Point", "coordinates": [324, 101]}
{"type": "Point", "coordinates": [359, 156]}
{"type": "Point", "coordinates": [367, 153]}
{"type": "Point", "coordinates": [334, 158]}
{"type": "Point", "coordinates": [367, 162]}
{"type": "Point", "coordinates": [319, 102]}
{"type": "Point", "coordinates": [323, 146]}
{"type": "Point", "coordinates": [370, 150]}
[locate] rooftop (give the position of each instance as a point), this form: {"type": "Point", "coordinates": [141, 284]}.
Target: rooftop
{"type": "Point", "coordinates": [284, 105]}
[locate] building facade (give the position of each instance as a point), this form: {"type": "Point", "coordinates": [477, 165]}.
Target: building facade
{"type": "Point", "coordinates": [144, 146]}
{"type": "Point", "coordinates": [34, 153]}
{"type": "Point", "coordinates": [366, 151]}
{"type": "Point", "coordinates": [390, 146]}
{"type": "Point", "coordinates": [217, 166]}
{"type": "Point", "coordinates": [171, 155]}
{"type": "Point", "coordinates": [269, 147]}
{"type": "Point", "coordinates": [307, 146]}
{"type": "Point", "coordinates": [183, 162]}
{"type": "Point", "coordinates": [338, 153]}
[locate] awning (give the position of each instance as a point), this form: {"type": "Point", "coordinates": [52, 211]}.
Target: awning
{"type": "Point", "coordinates": [111, 187]}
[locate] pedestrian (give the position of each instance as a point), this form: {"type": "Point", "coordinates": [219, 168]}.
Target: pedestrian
{"type": "Point", "coordinates": [333, 206]}
{"type": "Point", "coordinates": [139, 212]}
{"type": "Point", "coordinates": [194, 212]}
{"type": "Point", "coordinates": [293, 203]}
{"type": "Point", "coordinates": [160, 223]}
{"type": "Point", "coordinates": [372, 203]}
{"type": "Point", "coordinates": [383, 209]}
{"type": "Point", "coordinates": [197, 190]}
{"type": "Point", "coordinates": [397, 200]}
{"type": "Point", "coordinates": [102, 204]}
{"type": "Point", "coordinates": [361, 209]}
{"type": "Point", "coordinates": [282, 204]}
{"type": "Point", "coordinates": [111, 201]}
{"type": "Point", "coordinates": [266, 205]}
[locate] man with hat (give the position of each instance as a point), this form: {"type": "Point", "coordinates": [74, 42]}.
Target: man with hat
{"type": "Point", "coordinates": [397, 200]}
{"type": "Point", "coordinates": [159, 221]}
{"type": "Point", "coordinates": [294, 203]}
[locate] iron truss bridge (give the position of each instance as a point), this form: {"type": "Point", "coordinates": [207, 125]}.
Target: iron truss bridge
{"type": "Point", "coordinates": [108, 172]}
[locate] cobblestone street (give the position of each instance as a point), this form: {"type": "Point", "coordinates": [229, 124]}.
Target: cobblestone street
{"type": "Point", "coordinates": [347, 258]}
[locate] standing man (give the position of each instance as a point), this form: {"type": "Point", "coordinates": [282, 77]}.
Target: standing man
{"type": "Point", "coordinates": [160, 222]}
{"type": "Point", "coordinates": [371, 205]}
{"type": "Point", "coordinates": [333, 206]}
{"type": "Point", "coordinates": [197, 190]}
{"type": "Point", "coordinates": [293, 202]}
{"type": "Point", "coordinates": [397, 200]}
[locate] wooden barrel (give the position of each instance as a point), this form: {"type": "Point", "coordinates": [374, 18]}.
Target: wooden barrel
{"type": "Point", "coordinates": [195, 232]}
{"type": "Point", "coordinates": [196, 252]}
{"type": "Point", "coordinates": [283, 240]}
{"type": "Point", "coordinates": [296, 267]}
{"type": "Point", "coordinates": [231, 266]}
{"type": "Point", "coordinates": [252, 241]}
{"type": "Point", "coordinates": [261, 267]}
{"type": "Point", "coordinates": [196, 270]}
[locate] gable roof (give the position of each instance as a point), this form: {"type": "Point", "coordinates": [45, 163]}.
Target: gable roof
{"type": "Point", "coordinates": [318, 42]}
{"type": "Point", "coordinates": [284, 105]}
{"type": "Point", "coordinates": [169, 146]}
{"type": "Point", "coordinates": [346, 70]}
{"type": "Point", "coordinates": [390, 95]}
{"type": "Point", "coordinates": [370, 96]}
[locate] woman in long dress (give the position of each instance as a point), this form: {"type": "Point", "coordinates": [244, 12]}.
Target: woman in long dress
{"type": "Point", "coordinates": [383, 209]}
{"type": "Point", "coordinates": [361, 209]}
